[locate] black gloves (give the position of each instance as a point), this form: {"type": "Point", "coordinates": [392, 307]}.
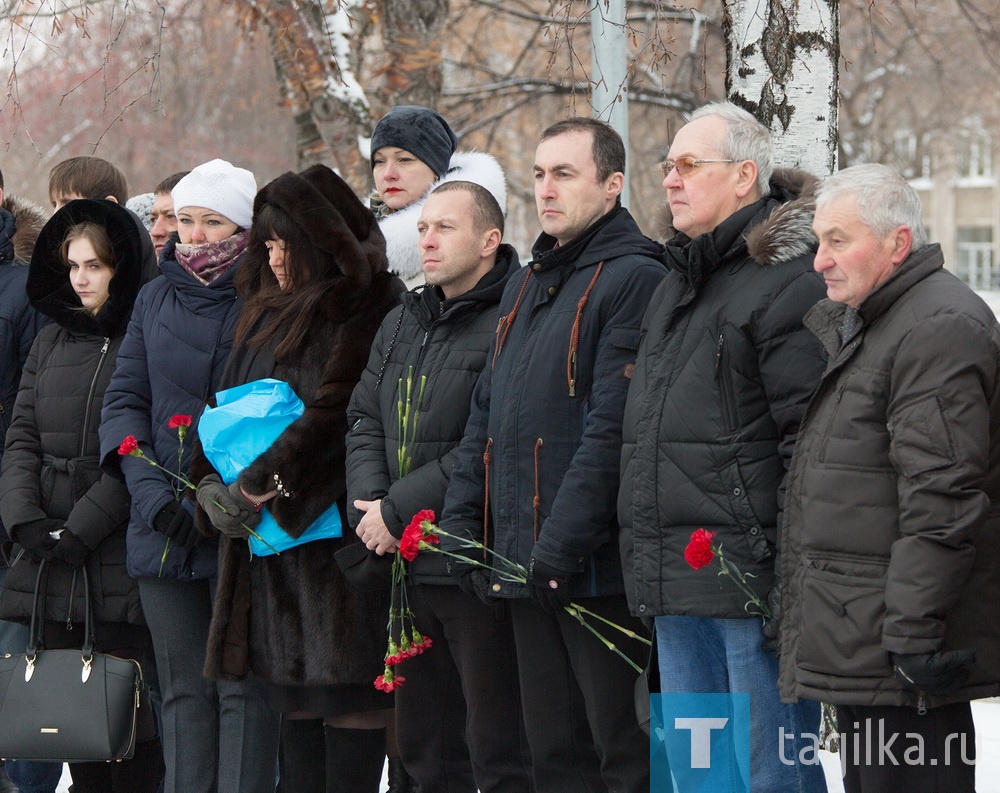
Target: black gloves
{"type": "Point", "coordinates": [547, 585]}
{"type": "Point", "coordinates": [471, 579]}
{"type": "Point", "coordinates": [772, 624]}
{"type": "Point", "coordinates": [177, 523]}
{"type": "Point", "coordinates": [935, 673]}
{"type": "Point", "coordinates": [34, 537]}
{"type": "Point", "coordinates": [71, 550]}
{"type": "Point", "coordinates": [226, 507]}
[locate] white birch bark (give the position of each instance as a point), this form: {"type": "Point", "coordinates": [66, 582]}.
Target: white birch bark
{"type": "Point", "coordinates": [782, 66]}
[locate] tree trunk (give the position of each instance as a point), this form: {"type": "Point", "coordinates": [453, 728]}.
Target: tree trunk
{"type": "Point", "coordinates": [412, 35]}
{"type": "Point", "coordinates": [782, 66]}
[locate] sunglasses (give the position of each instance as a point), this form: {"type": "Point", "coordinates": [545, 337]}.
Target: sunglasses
{"type": "Point", "coordinates": [684, 165]}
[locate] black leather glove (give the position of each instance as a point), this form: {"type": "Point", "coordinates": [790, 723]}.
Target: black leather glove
{"type": "Point", "coordinates": [772, 624]}
{"type": "Point", "coordinates": [226, 507]}
{"type": "Point", "coordinates": [471, 579]}
{"type": "Point", "coordinates": [547, 585]}
{"type": "Point", "coordinates": [935, 673]}
{"type": "Point", "coordinates": [71, 550]}
{"type": "Point", "coordinates": [177, 523]}
{"type": "Point", "coordinates": [34, 537]}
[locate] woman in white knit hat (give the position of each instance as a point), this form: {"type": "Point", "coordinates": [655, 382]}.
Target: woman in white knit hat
{"type": "Point", "coordinates": [218, 736]}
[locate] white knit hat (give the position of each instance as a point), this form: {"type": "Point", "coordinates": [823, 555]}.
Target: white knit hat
{"type": "Point", "coordinates": [221, 187]}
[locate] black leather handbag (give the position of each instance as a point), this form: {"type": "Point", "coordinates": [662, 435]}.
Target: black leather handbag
{"type": "Point", "coordinates": [67, 705]}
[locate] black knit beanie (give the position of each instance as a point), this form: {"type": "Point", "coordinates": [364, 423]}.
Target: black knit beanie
{"type": "Point", "coordinates": [421, 131]}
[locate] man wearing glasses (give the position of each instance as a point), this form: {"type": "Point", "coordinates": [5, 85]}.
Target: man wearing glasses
{"type": "Point", "coordinates": [723, 375]}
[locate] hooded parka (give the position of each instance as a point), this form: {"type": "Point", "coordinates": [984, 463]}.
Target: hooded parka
{"type": "Point", "coordinates": [447, 341]}
{"type": "Point", "coordinates": [544, 436]}
{"type": "Point", "coordinates": [51, 465]}
{"type": "Point", "coordinates": [723, 375]}
{"type": "Point", "coordinates": [891, 542]}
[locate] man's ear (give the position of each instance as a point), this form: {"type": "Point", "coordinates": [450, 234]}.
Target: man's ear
{"type": "Point", "coordinates": [902, 242]}
{"type": "Point", "coordinates": [614, 186]}
{"type": "Point", "coordinates": [491, 241]}
{"type": "Point", "coordinates": [111, 198]}
{"type": "Point", "coordinates": [746, 180]}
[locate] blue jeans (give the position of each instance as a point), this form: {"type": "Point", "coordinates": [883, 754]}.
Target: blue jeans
{"type": "Point", "coordinates": [701, 655]}
{"type": "Point", "coordinates": [29, 776]}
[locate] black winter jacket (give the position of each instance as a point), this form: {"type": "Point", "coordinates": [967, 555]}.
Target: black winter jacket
{"type": "Point", "coordinates": [724, 372]}
{"type": "Point", "coordinates": [448, 342]}
{"type": "Point", "coordinates": [51, 465]}
{"type": "Point", "coordinates": [547, 412]}
{"type": "Point", "coordinates": [892, 532]}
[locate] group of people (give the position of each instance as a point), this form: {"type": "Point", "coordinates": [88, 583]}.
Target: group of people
{"type": "Point", "coordinates": [793, 372]}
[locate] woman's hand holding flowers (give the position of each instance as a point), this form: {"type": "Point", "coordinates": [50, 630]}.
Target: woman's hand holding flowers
{"type": "Point", "coordinates": [227, 508]}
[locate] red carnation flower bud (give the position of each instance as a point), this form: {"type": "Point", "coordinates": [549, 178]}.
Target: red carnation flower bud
{"type": "Point", "coordinates": [129, 446]}
{"type": "Point", "coordinates": [699, 551]}
{"type": "Point", "coordinates": [180, 420]}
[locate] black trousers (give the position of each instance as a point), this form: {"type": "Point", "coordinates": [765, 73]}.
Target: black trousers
{"type": "Point", "coordinates": [458, 715]}
{"type": "Point", "coordinates": [578, 697]}
{"type": "Point", "coordinates": [931, 752]}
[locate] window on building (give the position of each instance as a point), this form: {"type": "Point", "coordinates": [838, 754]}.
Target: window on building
{"type": "Point", "coordinates": [976, 263]}
{"type": "Point", "coordinates": [976, 156]}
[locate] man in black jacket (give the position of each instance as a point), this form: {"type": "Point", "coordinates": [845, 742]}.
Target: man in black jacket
{"type": "Point", "coordinates": [722, 379]}
{"type": "Point", "coordinates": [460, 702]}
{"type": "Point", "coordinates": [537, 469]}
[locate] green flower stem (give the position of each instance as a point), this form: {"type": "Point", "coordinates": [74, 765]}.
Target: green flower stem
{"type": "Point", "coordinates": [630, 633]}
{"type": "Point", "coordinates": [575, 611]}
{"type": "Point", "coordinates": [466, 542]}
{"type": "Point", "coordinates": [727, 568]}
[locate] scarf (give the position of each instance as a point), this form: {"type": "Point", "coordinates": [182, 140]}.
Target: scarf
{"type": "Point", "coordinates": [212, 260]}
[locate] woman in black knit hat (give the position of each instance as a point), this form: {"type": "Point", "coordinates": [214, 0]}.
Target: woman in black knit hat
{"type": "Point", "coordinates": [315, 287]}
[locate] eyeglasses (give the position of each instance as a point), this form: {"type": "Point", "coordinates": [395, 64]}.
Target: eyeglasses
{"type": "Point", "coordinates": [684, 165]}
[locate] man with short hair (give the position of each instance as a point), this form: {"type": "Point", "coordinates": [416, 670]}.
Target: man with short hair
{"type": "Point", "coordinates": [162, 217]}
{"type": "Point", "coordinates": [722, 378]}
{"type": "Point", "coordinates": [536, 474]}
{"type": "Point", "coordinates": [458, 718]}
{"type": "Point", "coordinates": [86, 177]}
{"type": "Point", "coordinates": [890, 552]}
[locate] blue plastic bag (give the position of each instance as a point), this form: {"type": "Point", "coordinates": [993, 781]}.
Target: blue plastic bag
{"type": "Point", "coordinates": [248, 419]}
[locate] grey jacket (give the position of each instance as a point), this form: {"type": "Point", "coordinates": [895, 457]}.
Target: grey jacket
{"type": "Point", "coordinates": [891, 541]}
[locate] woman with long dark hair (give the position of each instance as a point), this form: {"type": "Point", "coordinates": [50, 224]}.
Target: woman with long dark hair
{"type": "Point", "coordinates": [315, 287]}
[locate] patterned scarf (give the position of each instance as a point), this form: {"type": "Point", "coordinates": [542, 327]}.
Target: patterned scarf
{"type": "Point", "coordinates": [212, 260]}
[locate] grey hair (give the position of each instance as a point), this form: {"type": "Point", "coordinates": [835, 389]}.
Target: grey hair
{"type": "Point", "coordinates": [746, 139]}
{"type": "Point", "coordinates": [884, 199]}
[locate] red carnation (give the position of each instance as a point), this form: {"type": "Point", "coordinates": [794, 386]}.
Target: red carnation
{"type": "Point", "coordinates": [420, 517]}
{"type": "Point", "coordinates": [409, 544]}
{"type": "Point", "coordinates": [180, 420]}
{"type": "Point", "coordinates": [389, 681]}
{"type": "Point", "coordinates": [699, 551]}
{"type": "Point", "coordinates": [129, 446]}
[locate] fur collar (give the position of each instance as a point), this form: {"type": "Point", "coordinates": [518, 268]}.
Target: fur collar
{"type": "Point", "coordinates": [29, 219]}
{"type": "Point", "coordinates": [400, 227]}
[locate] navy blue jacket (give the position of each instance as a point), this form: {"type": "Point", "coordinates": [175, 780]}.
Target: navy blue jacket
{"type": "Point", "coordinates": [547, 412]}
{"type": "Point", "coordinates": [170, 363]}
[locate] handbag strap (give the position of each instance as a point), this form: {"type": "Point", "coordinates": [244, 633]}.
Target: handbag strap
{"type": "Point", "coordinates": [38, 613]}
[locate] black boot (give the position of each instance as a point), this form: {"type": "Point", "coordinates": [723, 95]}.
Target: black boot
{"type": "Point", "coordinates": [399, 780]}
{"type": "Point", "coordinates": [354, 760]}
{"type": "Point", "coordinates": [301, 758]}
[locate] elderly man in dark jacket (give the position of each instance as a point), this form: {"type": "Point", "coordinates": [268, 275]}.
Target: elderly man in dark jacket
{"type": "Point", "coordinates": [893, 511]}
{"type": "Point", "coordinates": [458, 717]}
{"type": "Point", "coordinates": [537, 470]}
{"type": "Point", "coordinates": [723, 376]}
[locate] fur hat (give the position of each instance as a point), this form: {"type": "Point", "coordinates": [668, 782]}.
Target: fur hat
{"type": "Point", "coordinates": [142, 205]}
{"type": "Point", "coordinates": [421, 131]}
{"type": "Point", "coordinates": [221, 187]}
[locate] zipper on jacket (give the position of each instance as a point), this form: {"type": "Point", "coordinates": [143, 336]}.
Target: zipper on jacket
{"type": "Point", "coordinates": [90, 395]}
{"type": "Point", "coordinates": [833, 416]}
{"type": "Point", "coordinates": [725, 378]}
{"type": "Point", "coordinates": [69, 609]}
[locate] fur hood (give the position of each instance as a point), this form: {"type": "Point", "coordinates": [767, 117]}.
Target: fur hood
{"type": "Point", "coordinates": [787, 231]}
{"type": "Point", "coordinates": [400, 227]}
{"type": "Point", "coordinates": [28, 219]}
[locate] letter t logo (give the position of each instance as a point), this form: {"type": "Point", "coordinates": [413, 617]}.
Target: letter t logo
{"type": "Point", "coordinates": [701, 737]}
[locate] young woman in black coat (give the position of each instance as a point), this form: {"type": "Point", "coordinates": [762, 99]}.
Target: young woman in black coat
{"type": "Point", "coordinates": [315, 286]}
{"type": "Point", "coordinates": [55, 501]}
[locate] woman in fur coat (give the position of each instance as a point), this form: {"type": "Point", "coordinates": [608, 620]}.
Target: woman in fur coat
{"type": "Point", "coordinates": [413, 151]}
{"type": "Point", "coordinates": [315, 286]}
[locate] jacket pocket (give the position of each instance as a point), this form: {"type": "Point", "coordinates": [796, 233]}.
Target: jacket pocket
{"type": "Point", "coordinates": [920, 438]}
{"type": "Point", "coordinates": [727, 391]}
{"type": "Point", "coordinates": [743, 513]}
{"type": "Point", "coordinates": [843, 610]}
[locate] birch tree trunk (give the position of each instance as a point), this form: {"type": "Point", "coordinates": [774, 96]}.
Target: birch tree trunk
{"type": "Point", "coordinates": [782, 59]}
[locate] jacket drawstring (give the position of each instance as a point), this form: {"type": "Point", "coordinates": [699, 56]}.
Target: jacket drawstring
{"type": "Point", "coordinates": [504, 325]}
{"type": "Point", "coordinates": [536, 502]}
{"type": "Point", "coordinates": [574, 338]}
{"type": "Point", "coordinates": [487, 459]}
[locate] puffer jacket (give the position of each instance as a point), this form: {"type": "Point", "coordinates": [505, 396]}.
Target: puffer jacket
{"type": "Point", "coordinates": [51, 467]}
{"type": "Point", "coordinates": [723, 375]}
{"type": "Point", "coordinates": [170, 363]}
{"type": "Point", "coordinates": [544, 435]}
{"type": "Point", "coordinates": [891, 541]}
{"type": "Point", "coordinates": [446, 341]}
{"type": "Point", "coordinates": [20, 222]}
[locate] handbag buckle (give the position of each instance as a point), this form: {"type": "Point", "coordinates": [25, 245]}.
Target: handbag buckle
{"type": "Point", "coordinates": [29, 669]}
{"type": "Point", "coordinates": [85, 673]}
